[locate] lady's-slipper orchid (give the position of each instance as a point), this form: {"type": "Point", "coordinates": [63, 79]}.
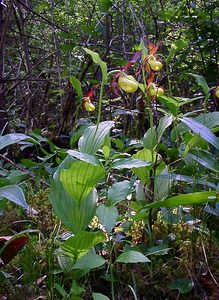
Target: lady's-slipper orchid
{"type": "Point", "coordinates": [128, 83]}
{"type": "Point", "coordinates": [154, 90]}
{"type": "Point", "coordinates": [155, 65]}
{"type": "Point", "coordinates": [87, 102]}
{"type": "Point", "coordinates": [88, 105]}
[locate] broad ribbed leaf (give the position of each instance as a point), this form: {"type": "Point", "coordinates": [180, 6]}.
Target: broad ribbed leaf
{"type": "Point", "coordinates": [12, 138]}
{"type": "Point", "coordinates": [152, 137]}
{"type": "Point", "coordinates": [107, 215]}
{"type": "Point", "coordinates": [129, 163]}
{"type": "Point", "coordinates": [89, 261]}
{"type": "Point", "coordinates": [210, 120]}
{"type": "Point", "coordinates": [93, 138]}
{"type": "Point", "coordinates": [201, 130]}
{"type": "Point", "coordinates": [145, 155]}
{"type": "Point", "coordinates": [118, 192]}
{"type": "Point", "coordinates": [206, 159]}
{"type": "Point", "coordinates": [15, 194]}
{"type": "Point", "coordinates": [162, 185]}
{"type": "Point", "coordinates": [190, 180]}
{"type": "Point", "coordinates": [185, 199]}
{"type": "Point", "coordinates": [66, 263]}
{"type": "Point", "coordinates": [99, 296]}
{"type": "Point", "coordinates": [131, 256]}
{"type": "Point", "coordinates": [78, 245]}
{"type": "Point", "coordinates": [164, 123]}
{"type": "Point", "coordinates": [85, 157]}
{"type": "Point", "coordinates": [81, 178]}
{"type": "Point", "coordinates": [96, 58]}
{"type": "Point", "coordinates": [74, 215]}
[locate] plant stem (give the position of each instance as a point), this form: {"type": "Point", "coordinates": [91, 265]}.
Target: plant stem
{"type": "Point", "coordinates": [111, 271]}
{"type": "Point", "coordinates": [100, 103]}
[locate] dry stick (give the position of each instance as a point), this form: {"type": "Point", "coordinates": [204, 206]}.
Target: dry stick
{"type": "Point", "coordinates": [123, 28]}
{"type": "Point", "coordinates": [6, 24]}
{"type": "Point", "coordinates": [21, 22]}
{"type": "Point", "coordinates": [36, 65]}
{"type": "Point", "coordinates": [140, 25]}
{"type": "Point", "coordinates": [206, 260]}
{"type": "Point", "coordinates": [3, 30]}
{"type": "Point", "coordinates": [31, 174]}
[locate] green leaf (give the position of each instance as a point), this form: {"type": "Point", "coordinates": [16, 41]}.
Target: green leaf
{"type": "Point", "coordinates": [185, 199]}
{"type": "Point", "coordinates": [80, 244]}
{"type": "Point", "coordinates": [153, 136]}
{"type": "Point", "coordinates": [162, 185]}
{"type": "Point", "coordinates": [99, 296]}
{"type": "Point", "coordinates": [74, 215]}
{"type": "Point", "coordinates": [161, 249]}
{"type": "Point", "coordinates": [171, 103]}
{"type": "Point", "coordinates": [129, 163]}
{"type": "Point", "coordinates": [76, 290]}
{"type": "Point", "coordinates": [206, 159]}
{"type": "Point", "coordinates": [193, 142]}
{"type": "Point", "coordinates": [105, 5]}
{"type": "Point", "coordinates": [131, 256]}
{"type": "Point", "coordinates": [66, 263]}
{"type": "Point", "coordinates": [164, 123]}
{"type": "Point", "coordinates": [203, 84]}
{"type": "Point", "coordinates": [191, 180]}
{"type": "Point", "coordinates": [60, 289]}
{"type": "Point", "coordinates": [84, 157]}
{"type": "Point", "coordinates": [106, 152]}
{"type": "Point", "coordinates": [14, 194]}
{"type": "Point", "coordinates": [77, 86]}
{"type": "Point", "coordinates": [94, 137]}
{"type": "Point", "coordinates": [80, 179]}
{"type": "Point", "coordinates": [89, 261]}
{"type": "Point", "coordinates": [150, 138]}
{"type": "Point", "coordinates": [146, 155]}
{"type": "Point", "coordinates": [118, 192]}
{"type": "Point", "coordinates": [96, 58]}
{"type": "Point", "coordinates": [184, 285]}
{"type": "Point", "coordinates": [210, 120]}
{"type": "Point", "coordinates": [67, 47]}
{"type": "Point", "coordinates": [12, 138]}
{"type": "Point", "coordinates": [201, 130]}
{"type": "Point", "coordinates": [107, 215]}
{"type": "Point", "coordinates": [175, 47]}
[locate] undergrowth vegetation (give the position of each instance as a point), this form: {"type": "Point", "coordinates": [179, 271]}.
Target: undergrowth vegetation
{"type": "Point", "coordinates": [126, 206]}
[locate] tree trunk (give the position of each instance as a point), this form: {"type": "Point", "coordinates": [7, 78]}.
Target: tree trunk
{"type": "Point", "coordinates": [3, 115]}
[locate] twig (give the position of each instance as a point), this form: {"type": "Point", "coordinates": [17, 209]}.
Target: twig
{"type": "Point", "coordinates": [206, 260]}
{"type": "Point", "coordinates": [31, 174]}
{"type": "Point", "coordinates": [40, 16]}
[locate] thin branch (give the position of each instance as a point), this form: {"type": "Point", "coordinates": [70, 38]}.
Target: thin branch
{"type": "Point", "coordinates": [22, 169]}
{"type": "Point", "coordinates": [36, 65]}
{"type": "Point", "coordinates": [40, 16]}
